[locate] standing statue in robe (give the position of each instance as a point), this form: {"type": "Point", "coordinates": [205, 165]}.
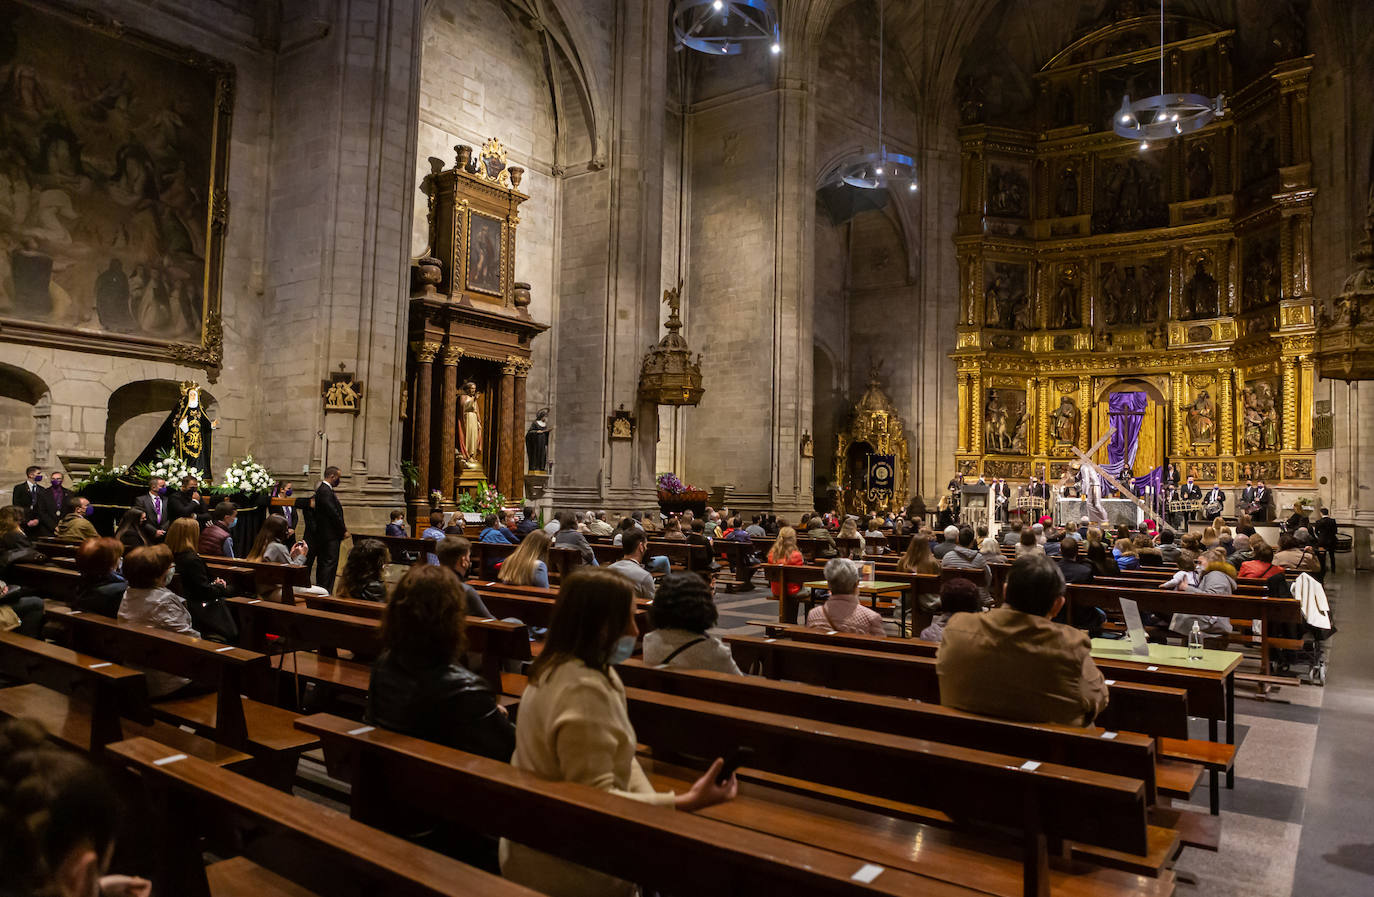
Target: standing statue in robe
{"type": "Point", "coordinates": [1201, 420]}
{"type": "Point", "coordinates": [469, 427]}
{"type": "Point", "coordinates": [1064, 422]}
{"type": "Point", "coordinates": [537, 442]}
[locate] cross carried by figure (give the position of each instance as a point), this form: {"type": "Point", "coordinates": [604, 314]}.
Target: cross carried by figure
{"type": "Point", "coordinates": [1085, 458]}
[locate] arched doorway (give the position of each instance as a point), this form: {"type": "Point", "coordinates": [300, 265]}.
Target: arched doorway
{"type": "Point", "coordinates": [25, 422]}
{"type": "Point", "coordinates": [135, 412]}
{"type": "Point", "coordinates": [1150, 412]}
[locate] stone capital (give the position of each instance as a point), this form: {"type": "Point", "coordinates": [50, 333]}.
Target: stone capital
{"type": "Point", "coordinates": [516, 366]}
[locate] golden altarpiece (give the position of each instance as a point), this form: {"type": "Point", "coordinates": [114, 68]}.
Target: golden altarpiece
{"type": "Point", "coordinates": [872, 462]}
{"type": "Point", "coordinates": [1092, 265]}
{"type": "Point", "coordinates": [469, 333]}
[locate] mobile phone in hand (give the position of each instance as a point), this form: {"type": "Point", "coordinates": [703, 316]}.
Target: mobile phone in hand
{"type": "Point", "coordinates": [733, 761]}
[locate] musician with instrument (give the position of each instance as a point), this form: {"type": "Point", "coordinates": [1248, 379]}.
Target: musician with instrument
{"type": "Point", "coordinates": [1214, 502]}
{"type": "Point", "coordinates": [1001, 499]}
{"type": "Point", "coordinates": [1261, 505]}
{"type": "Point", "coordinates": [1189, 490]}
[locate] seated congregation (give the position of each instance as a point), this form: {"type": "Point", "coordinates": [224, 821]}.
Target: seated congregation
{"type": "Point", "coordinates": [573, 680]}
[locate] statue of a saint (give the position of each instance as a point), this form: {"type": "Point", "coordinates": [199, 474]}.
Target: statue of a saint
{"type": "Point", "coordinates": [1253, 420]}
{"type": "Point", "coordinates": [995, 424]}
{"type": "Point", "coordinates": [1066, 201]}
{"type": "Point", "coordinates": [1064, 315]}
{"type": "Point", "coordinates": [1202, 420]}
{"type": "Point", "coordinates": [537, 442]}
{"type": "Point", "coordinates": [469, 427]}
{"type": "Point", "coordinates": [1064, 422]}
{"type": "Point", "coordinates": [1201, 300]}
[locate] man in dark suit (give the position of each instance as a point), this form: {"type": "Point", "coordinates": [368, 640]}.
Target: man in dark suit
{"type": "Point", "coordinates": [49, 503]}
{"type": "Point", "coordinates": [326, 531]}
{"type": "Point", "coordinates": [26, 497]}
{"type": "Point", "coordinates": [187, 502]}
{"type": "Point", "coordinates": [1000, 498]}
{"type": "Point", "coordinates": [1325, 528]}
{"type": "Point", "coordinates": [1189, 490]}
{"type": "Point", "coordinates": [1262, 503]}
{"type": "Point", "coordinates": [1214, 498]}
{"type": "Point", "coordinates": [153, 504]}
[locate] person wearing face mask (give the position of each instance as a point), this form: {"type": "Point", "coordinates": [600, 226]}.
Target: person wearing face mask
{"type": "Point", "coordinates": [215, 540]}
{"type": "Point", "coordinates": [49, 505]}
{"type": "Point", "coordinates": [574, 726]}
{"type": "Point", "coordinates": [25, 498]}
{"type": "Point", "coordinates": [58, 820]}
{"type": "Point", "coordinates": [204, 596]}
{"type": "Point", "coordinates": [156, 512]}
{"type": "Point", "coordinates": [325, 530]}
{"type": "Point", "coordinates": [148, 602]}
{"type": "Point", "coordinates": [187, 502]}
{"type": "Point", "coordinates": [75, 525]}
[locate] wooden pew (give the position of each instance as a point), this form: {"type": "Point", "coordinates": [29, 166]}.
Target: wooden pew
{"type": "Point", "coordinates": [1209, 694]}
{"type": "Point", "coordinates": [292, 847]}
{"type": "Point", "coordinates": [261, 576]}
{"type": "Point", "coordinates": [487, 555]}
{"type": "Point", "coordinates": [225, 714]}
{"type": "Point", "coordinates": [737, 555]}
{"type": "Point", "coordinates": [404, 550]}
{"type": "Point", "coordinates": [495, 640]}
{"type": "Point", "coordinates": [682, 853]}
{"type": "Point", "coordinates": [86, 703]}
{"type": "Point", "coordinates": [1148, 709]}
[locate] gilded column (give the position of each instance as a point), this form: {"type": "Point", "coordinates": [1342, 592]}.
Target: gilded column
{"type": "Point", "coordinates": [1305, 398]}
{"type": "Point", "coordinates": [420, 432]}
{"type": "Point", "coordinates": [975, 414]}
{"type": "Point", "coordinates": [1290, 405]}
{"type": "Point", "coordinates": [522, 370]}
{"type": "Point", "coordinates": [1225, 442]}
{"type": "Point", "coordinates": [505, 442]}
{"type": "Point", "coordinates": [964, 415]}
{"type": "Point", "coordinates": [1176, 425]}
{"type": "Point", "coordinates": [448, 424]}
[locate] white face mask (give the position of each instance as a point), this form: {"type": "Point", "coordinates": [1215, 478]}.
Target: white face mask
{"type": "Point", "coordinates": [167, 577]}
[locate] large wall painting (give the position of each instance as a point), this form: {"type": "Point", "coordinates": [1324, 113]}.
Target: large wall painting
{"type": "Point", "coordinates": [113, 159]}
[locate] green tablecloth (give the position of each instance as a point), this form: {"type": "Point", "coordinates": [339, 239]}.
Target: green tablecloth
{"type": "Point", "coordinates": [1165, 655]}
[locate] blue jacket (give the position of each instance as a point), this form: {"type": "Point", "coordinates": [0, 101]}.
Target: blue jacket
{"type": "Point", "coordinates": [497, 534]}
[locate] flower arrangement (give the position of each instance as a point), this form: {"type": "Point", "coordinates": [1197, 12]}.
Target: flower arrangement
{"type": "Point", "coordinates": [246, 477]}
{"type": "Point", "coordinates": [670, 484]}
{"type": "Point", "coordinates": [436, 498]}
{"type": "Point", "coordinates": [167, 465]}
{"type": "Point", "coordinates": [485, 500]}
{"type": "Point", "coordinates": [101, 474]}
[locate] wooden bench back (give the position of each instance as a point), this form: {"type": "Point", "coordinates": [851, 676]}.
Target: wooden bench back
{"type": "Point", "coordinates": [317, 848]}
{"type": "Point", "coordinates": [404, 550]}
{"type": "Point", "coordinates": [685, 854]}
{"type": "Point", "coordinates": [1125, 753]}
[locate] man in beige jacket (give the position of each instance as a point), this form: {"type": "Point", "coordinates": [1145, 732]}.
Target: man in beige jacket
{"type": "Point", "coordinates": [1013, 662]}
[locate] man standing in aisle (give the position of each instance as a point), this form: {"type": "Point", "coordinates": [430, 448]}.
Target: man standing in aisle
{"type": "Point", "coordinates": [26, 498]}
{"type": "Point", "coordinates": [327, 530]}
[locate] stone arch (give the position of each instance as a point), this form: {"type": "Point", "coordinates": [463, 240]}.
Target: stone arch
{"type": "Point", "coordinates": [25, 422]}
{"type": "Point", "coordinates": [135, 411]}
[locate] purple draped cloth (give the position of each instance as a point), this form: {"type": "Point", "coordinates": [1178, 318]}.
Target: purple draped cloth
{"type": "Point", "coordinates": [1126, 411]}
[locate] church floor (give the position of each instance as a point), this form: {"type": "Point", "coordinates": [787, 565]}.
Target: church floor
{"type": "Point", "coordinates": [1300, 820]}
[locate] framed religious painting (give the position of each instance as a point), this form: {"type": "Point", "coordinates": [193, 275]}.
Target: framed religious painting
{"type": "Point", "coordinates": [114, 152]}
{"type": "Point", "coordinates": [486, 267]}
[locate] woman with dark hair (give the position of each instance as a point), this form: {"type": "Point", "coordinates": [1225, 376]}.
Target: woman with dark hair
{"type": "Point", "coordinates": [684, 609]}
{"type": "Point", "coordinates": [1104, 563]}
{"type": "Point", "coordinates": [130, 530]}
{"type": "Point", "coordinates": [418, 686]}
{"type": "Point", "coordinates": [364, 569]}
{"type": "Point", "coordinates": [58, 820]}
{"type": "Point", "coordinates": [568, 537]}
{"type": "Point", "coordinates": [957, 596]}
{"type": "Point", "coordinates": [269, 548]}
{"type": "Point", "coordinates": [204, 596]}
{"type": "Point", "coordinates": [101, 587]}
{"type": "Point", "coordinates": [575, 727]}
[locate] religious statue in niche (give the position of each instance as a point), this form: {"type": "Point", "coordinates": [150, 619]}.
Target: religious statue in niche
{"type": "Point", "coordinates": [1199, 171]}
{"type": "Point", "coordinates": [1064, 422]}
{"type": "Point", "coordinates": [1066, 197]}
{"type": "Point", "coordinates": [1130, 196]}
{"type": "Point", "coordinates": [469, 427]}
{"type": "Point", "coordinates": [1200, 298]}
{"type": "Point", "coordinates": [1064, 307]}
{"type": "Point", "coordinates": [1260, 417]}
{"type": "Point", "coordinates": [537, 442]}
{"type": "Point", "coordinates": [1261, 264]}
{"type": "Point", "coordinates": [1201, 420]}
{"type": "Point", "coordinates": [1008, 193]}
{"type": "Point", "coordinates": [621, 424]}
{"type": "Point", "coordinates": [1007, 306]}
{"type": "Point", "coordinates": [1004, 422]}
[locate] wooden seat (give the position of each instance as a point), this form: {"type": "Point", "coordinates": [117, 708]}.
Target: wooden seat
{"type": "Point", "coordinates": [298, 847]}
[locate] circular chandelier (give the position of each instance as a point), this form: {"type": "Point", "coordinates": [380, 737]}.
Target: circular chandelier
{"type": "Point", "coordinates": [885, 168]}
{"type": "Point", "coordinates": [722, 27]}
{"type": "Point", "coordinates": [1165, 115]}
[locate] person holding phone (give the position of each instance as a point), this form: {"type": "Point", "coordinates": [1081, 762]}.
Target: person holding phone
{"type": "Point", "coordinates": [574, 726]}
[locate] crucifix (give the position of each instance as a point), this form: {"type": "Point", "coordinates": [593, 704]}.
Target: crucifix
{"type": "Point", "coordinates": [1086, 458]}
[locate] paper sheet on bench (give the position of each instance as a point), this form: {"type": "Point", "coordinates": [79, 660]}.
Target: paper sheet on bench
{"type": "Point", "coordinates": [1135, 630]}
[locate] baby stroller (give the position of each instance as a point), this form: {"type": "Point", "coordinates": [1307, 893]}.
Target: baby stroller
{"type": "Point", "coordinates": [1310, 632]}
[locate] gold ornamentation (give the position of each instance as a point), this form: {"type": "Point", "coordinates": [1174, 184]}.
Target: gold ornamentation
{"type": "Point", "coordinates": [451, 355]}
{"type": "Point", "coordinates": [1201, 381]}
{"type": "Point", "coordinates": [424, 351]}
{"type": "Point", "coordinates": [515, 366]}
{"type": "Point", "coordinates": [342, 392]}
{"type": "Point", "coordinates": [1066, 385]}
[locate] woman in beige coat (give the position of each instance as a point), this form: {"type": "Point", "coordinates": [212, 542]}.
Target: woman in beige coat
{"type": "Point", "coordinates": [574, 726]}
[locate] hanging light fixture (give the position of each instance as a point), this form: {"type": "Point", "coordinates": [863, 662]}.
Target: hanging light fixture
{"type": "Point", "coordinates": [884, 168]}
{"type": "Point", "coordinates": [722, 27]}
{"type": "Point", "coordinates": [1166, 115]}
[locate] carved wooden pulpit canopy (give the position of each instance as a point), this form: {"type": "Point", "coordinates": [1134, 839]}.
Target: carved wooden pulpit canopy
{"type": "Point", "coordinates": [470, 332]}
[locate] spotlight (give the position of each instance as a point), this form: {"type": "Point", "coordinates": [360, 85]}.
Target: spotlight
{"type": "Point", "coordinates": [776, 48]}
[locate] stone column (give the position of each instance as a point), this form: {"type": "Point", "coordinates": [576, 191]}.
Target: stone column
{"type": "Point", "coordinates": [448, 423]}
{"type": "Point", "coordinates": [421, 415]}
{"type": "Point", "coordinates": [517, 489]}
{"type": "Point", "coordinates": [505, 437]}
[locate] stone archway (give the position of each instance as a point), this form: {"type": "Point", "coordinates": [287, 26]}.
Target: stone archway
{"type": "Point", "coordinates": [25, 422]}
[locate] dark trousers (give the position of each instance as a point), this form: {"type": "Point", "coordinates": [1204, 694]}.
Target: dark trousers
{"type": "Point", "coordinates": [29, 606]}
{"type": "Point", "coordinates": [1328, 557]}
{"type": "Point", "coordinates": [323, 558]}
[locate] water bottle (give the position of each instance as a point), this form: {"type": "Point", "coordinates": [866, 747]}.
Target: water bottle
{"type": "Point", "coordinates": [1195, 642]}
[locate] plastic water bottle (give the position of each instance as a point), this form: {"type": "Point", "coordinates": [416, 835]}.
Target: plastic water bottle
{"type": "Point", "coordinates": [1195, 642]}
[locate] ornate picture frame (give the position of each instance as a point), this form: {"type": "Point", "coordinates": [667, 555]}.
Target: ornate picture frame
{"type": "Point", "coordinates": [130, 154]}
{"type": "Point", "coordinates": [621, 424]}
{"type": "Point", "coordinates": [485, 268]}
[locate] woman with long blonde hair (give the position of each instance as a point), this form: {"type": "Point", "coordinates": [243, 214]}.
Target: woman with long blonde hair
{"type": "Point", "coordinates": [785, 551]}
{"type": "Point", "coordinates": [850, 530]}
{"type": "Point", "coordinates": [527, 565]}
